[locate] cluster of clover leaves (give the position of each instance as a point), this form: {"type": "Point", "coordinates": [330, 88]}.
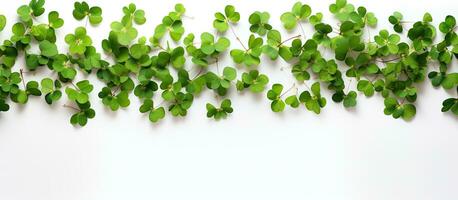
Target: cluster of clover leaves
{"type": "Point", "coordinates": [151, 67]}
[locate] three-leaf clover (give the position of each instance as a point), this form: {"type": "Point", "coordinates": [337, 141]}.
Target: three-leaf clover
{"type": "Point", "coordinates": [82, 10]}
{"type": "Point", "coordinates": [395, 20]}
{"type": "Point", "coordinates": [79, 41]}
{"type": "Point", "coordinates": [298, 13]}
{"type": "Point", "coordinates": [221, 22]}
{"type": "Point", "coordinates": [209, 46]}
{"type": "Point", "coordinates": [155, 114]}
{"type": "Point", "coordinates": [392, 107]}
{"type": "Point", "coordinates": [81, 92]}
{"type": "Point", "coordinates": [51, 90]}
{"type": "Point", "coordinates": [250, 56]}
{"type": "Point", "coordinates": [274, 95]}
{"type": "Point", "coordinates": [253, 80]}
{"type": "Point", "coordinates": [388, 42]}
{"type": "Point", "coordinates": [221, 112]}
{"type": "Point", "coordinates": [259, 22]}
{"type": "Point", "coordinates": [54, 20]}
{"type": "Point", "coordinates": [84, 112]}
{"type": "Point", "coordinates": [48, 49]}
{"type": "Point", "coordinates": [313, 103]}
{"type": "Point", "coordinates": [114, 101]}
{"type": "Point", "coordinates": [450, 104]}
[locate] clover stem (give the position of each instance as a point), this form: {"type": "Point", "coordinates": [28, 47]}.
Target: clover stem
{"type": "Point", "coordinates": [406, 22]}
{"type": "Point", "coordinates": [237, 37]}
{"type": "Point", "coordinates": [284, 41]}
{"type": "Point", "coordinates": [307, 86]}
{"type": "Point", "coordinates": [74, 86]}
{"type": "Point", "coordinates": [349, 84]}
{"type": "Point", "coordinates": [116, 90]}
{"type": "Point", "coordinates": [292, 87]}
{"type": "Point", "coordinates": [302, 29]}
{"type": "Point", "coordinates": [71, 107]}
{"type": "Point", "coordinates": [87, 19]}
{"type": "Point", "coordinates": [217, 65]}
{"type": "Point", "coordinates": [198, 73]}
{"type": "Point", "coordinates": [22, 77]}
{"type": "Point", "coordinates": [385, 61]}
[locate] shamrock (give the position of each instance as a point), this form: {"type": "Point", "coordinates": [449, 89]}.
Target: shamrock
{"type": "Point", "coordinates": [350, 99]}
{"type": "Point", "coordinates": [82, 10]}
{"type": "Point", "coordinates": [155, 114]}
{"type": "Point", "coordinates": [259, 22]}
{"type": "Point", "coordinates": [450, 104]}
{"type": "Point", "coordinates": [171, 23]}
{"type": "Point", "coordinates": [54, 20]}
{"type": "Point", "coordinates": [114, 101]}
{"type": "Point", "coordinates": [81, 92]}
{"type": "Point", "coordinates": [221, 84]}
{"type": "Point", "coordinates": [298, 13]}
{"type": "Point", "coordinates": [181, 102]}
{"type": "Point", "coordinates": [51, 90]}
{"type": "Point", "coordinates": [146, 89]}
{"type": "Point", "coordinates": [2, 22]}
{"type": "Point", "coordinates": [313, 103]}
{"type": "Point", "coordinates": [395, 20]}
{"type": "Point", "coordinates": [275, 46]}
{"type": "Point", "coordinates": [450, 80]}
{"type": "Point", "coordinates": [84, 112]}
{"type": "Point", "coordinates": [79, 41]}
{"type": "Point", "coordinates": [366, 87]}
{"type": "Point", "coordinates": [209, 46]}
{"type": "Point", "coordinates": [221, 22]}
{"type": "Point", "coordinates": [253, 80]}
{"type": "Point", "coordinates": [392, 107]}
{"type": "Point", "coordinates": [4, 106]}
{"type": "Point", "coordinates": [125, 32]}
{"type": "Point", "coordinates": [35, 9]}
{"type": "Point", "coordinates": [274, 95]}
{"type": "Point", "coordinates": [22, 96]}
{"type": "Point", "coordinates": [63, 67]}
{"type": "Point", "coordinates": [219, 113]}
{"type": "Point", "coordinates": [388, 43]}
{"type": "Point", "coordinates": [48, 49]}
{"type": "Point", "coordinates": [448, 25]}
{"type": "Point", "coordinates": [249, 56]}
{"type": "Point", "coordinates": [9, 81]}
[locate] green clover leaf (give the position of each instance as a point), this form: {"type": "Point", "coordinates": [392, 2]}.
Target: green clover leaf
{"type": "Point", "coordinates": [79, 41]}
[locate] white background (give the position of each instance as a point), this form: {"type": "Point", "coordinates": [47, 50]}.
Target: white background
{"type": "Point", "coordinates": [355, 154]}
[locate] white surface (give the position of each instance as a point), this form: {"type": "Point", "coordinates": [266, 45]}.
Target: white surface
{"type": "Point", "coordinates": [357, 154]}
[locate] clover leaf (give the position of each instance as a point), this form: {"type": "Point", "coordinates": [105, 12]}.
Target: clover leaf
{"type": "Point", "coordinates": [259, 22]}
{"type": "Point", "coordinates": [395, 20]}
{"type": "Point", "coordinates": [274, 95]}
{"type": "Point", "coordinates": [221, 112]}
{"type": "Point", "coordinates": [112, 100]}
{"type": "Point", "coordinates": [313, 101]}
{"type": "Point", "coordinates": [171, 23]}
{"type": "Point", "coordinates": [54, 20]}
{"type": "Point", "coordinates": [388, 43]}
{"type": "Point", "coordinates": [209, 46]}
{"type": "Point", "coordinates": [79, 41]}
{"type": "Point", "coordinates": [250, 56]}
{"type": "Point", "coordinates": [298, 13]}
{"type": "Point", "coordinates": [48, 49]}
{"type": "Point", "coordinates": [2, 22]}
{"type": "Point", "coordinates": [366, 87]}
{"type": "Point", "coordinates": [82, 10]}
{"type": "Point", "coordinates": [80, 93]}
{"type": "Point", "coordinates": [84, 112]}
{"type": "Point", "coordinates": [51, 90]}
{"type": "Point", "coordinates": [125, 32]}
{"type": "Point", "coordinates": [253, 80]}
{"type": "Point", "coordinates": [155, 114]}
{"type": "Point", "coordinates": [392, 107]}
{"type": "Point", "coordinates": [221, 22]}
